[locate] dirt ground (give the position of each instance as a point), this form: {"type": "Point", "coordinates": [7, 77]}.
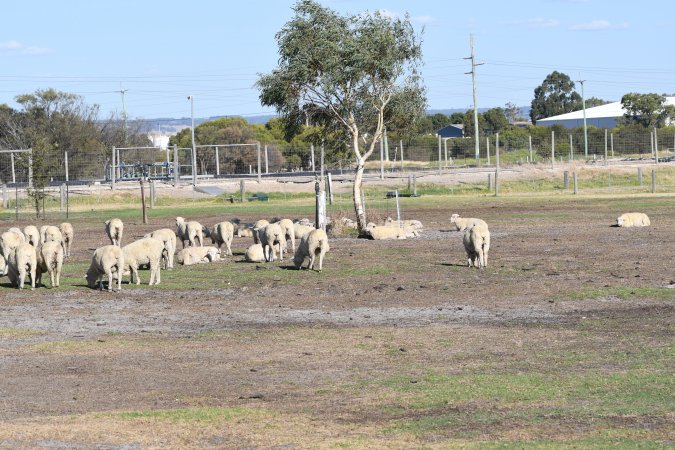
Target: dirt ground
{"type": "Point", "coordinates": [263, 340]}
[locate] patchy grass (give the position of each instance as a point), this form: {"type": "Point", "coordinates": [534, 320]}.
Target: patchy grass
{"type": "Point", "coordinates": [620, 292]}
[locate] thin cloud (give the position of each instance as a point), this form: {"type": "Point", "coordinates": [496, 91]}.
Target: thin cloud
{"type": "Point", "coordinates": [17, 48]}
{"type": "Point", "coordinates": [422, 20]}
{"type": "Point", "coordinates": [597, 25]}
{"type": "Point", "coordinates": [540, 22]}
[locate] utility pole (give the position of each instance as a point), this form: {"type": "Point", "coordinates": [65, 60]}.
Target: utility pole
{"type": "Point", "coordinates": [583, 106]}
{"type": "Point", "coordinates": [124, 113]}
{"type": "Point", "coordinates": [475, 105]}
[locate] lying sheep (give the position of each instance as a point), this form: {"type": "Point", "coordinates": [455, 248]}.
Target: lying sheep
{"type": "Point", "coordinates": [254, 253]}
{"type": "Point", "coordinates": [189, 231]}
{"type": "Point", "coordinates": [259, 225]}
{"type": "Point", "coordinates": [272, 238]}
{"type": "Point", "coordinates": [223, 233]}
{"type": "Point", "coordinates": [411, 228]}
{"type": "Point", "coordinates": [288, 229]}
{"type": "Point", "coordinates": [68, 234]}
{"type": "Point", "coordinates": [22, 261]}
{"type": "Point", "coordinates": [383, 232]}
{"type": "Point", "coordinates": [107, 260]}
{"type": "Point", "coordinates": [312, 244]}
{"type": "Point", "coordinates": [633, 220]}
{"type": "Point", "coordinates": [3, 266]}
{"type": "Point", "coordinates": [114, 228]}
{"type": "Point", "coordinates": [50, 260]}
{"type": "Point", "coordinates": [244, 232]}
{"type": "Point", "coordinates": [9, 240]}
{"type": "Point", "coordinates": [300, 230]}
{"type": "Point", "coordinates": [477, 245]}
{"type": "Point", "coordinates": [196, 255]}
{"type": "Point", "coordinates": [144, 251]}
{"type": "Point", "coordinates": [462, 223]}
{"type": "Point", "coordinates": [32, 235]}
{"type": "Point", "coordinates": [168, 238]}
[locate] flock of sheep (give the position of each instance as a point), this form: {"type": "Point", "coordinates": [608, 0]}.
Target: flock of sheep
{"type": "Point", "coordinates": [31, 252]}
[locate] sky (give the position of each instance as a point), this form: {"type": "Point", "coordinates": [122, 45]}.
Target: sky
{"type": "Point", "coordinates": [159, 53]}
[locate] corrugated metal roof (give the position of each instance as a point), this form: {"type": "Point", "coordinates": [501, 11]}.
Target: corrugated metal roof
{"type": "Point", "coordinates": [614, 109]}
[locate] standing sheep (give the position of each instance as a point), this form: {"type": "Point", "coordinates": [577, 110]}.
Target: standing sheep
{"type": "Point", "coordinates": [50, 260]}
{"type": "Point", "coordinates": [107, 260]}
{"type": "Point", "coordinates": [21, 261]}
{"type": "Point", "coordinates": [168, 238]}
{"type": "Point", "coordinates": [259, 225]}
{"type": "Point", "coordinates": [272, 237]}
{"type": "Point", "coordinates": [9, 240]}
{"type": "Point", "coordinates": [223, 233]}
{"type": "Point", "coordinates": [32, 235]}
{"type": "Point", "coordinates": [288, 229]}
{"type": "Point", "coordinates": [312, 244]}
{"type": "Point", "coordinates": [254, 253]}
{"type": "Point", "coordinates": [144, 251]}
{"type": "Point", "coordinates": [633, 220]}
{"type": "Point", "coordinates": [196, 255]}
{"type": "Point", "coordinates": [462, 223]}
{"type": "Point", "coordinates": [300, 229]}
{"type": "Point", "coordinates": [50, 233]}
{"type": "Point", "coordinates": [189, 231]}
{"type": "Point", "coordinates": [477, 245]}
{"type": "Point", "coordinates": [114, 228]}
{"type": "Point", "coordinates": [68, 234]}
{"type": "Point", "coordinates": [3, 266]}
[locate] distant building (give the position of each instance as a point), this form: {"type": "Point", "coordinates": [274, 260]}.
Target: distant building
{"type": "Point", "coordinates": [159, 140]}
{"type": "Point", "coordinates": [603, 116]}
{"type": "Point", "coordinates": [456, 130]}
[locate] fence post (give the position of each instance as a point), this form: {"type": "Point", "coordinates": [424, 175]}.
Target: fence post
{"type": "Point", "coordinates": [11, 157]}
{"type": "Point", "coordinates": [606, 162]}
{"type": "Point", "coordinates": [143, 206]}
{"type": "Point", "coordinates": [409, 181]}
{"type": "Point", "coordinates": [490, 186]}
{"type": "Point", "coordinates": [323, 168]}
{"type": "Point", "coordinates": [176, 166]}
{"type": "Point", "coordinates": [267, 163]}
{"type": "Point", "coordinates": [16, 200]}
{"type": "Point", "coordinates": [574, 176]}
{"type": "Point", "coordinates": [611, 144]}
{"type": "Point", "coordinates": [242, 190]}
{"type": "Point", "coordinates": [552, 147]}
{"type": "Point", "coordinates": [415, 184]}
{"type": "Point", "coordinates": [330, 188]}
{"type": "Point", "coordinates": [313, 165]}
{"type": "Point", "coordinates": [152, 194]}
{"type": "Point", "coordinates": [487, 149]}
{"type": "Point", "coordinates": [530, 141]}
{"type": "Point", "coordinates": [651, 142]}
{"type": "Point", "coordinates": [401, 145]}
{"type": "Point", "coordinates": [113, 168]}
{"type": "Point", "coordinates": [566, 179]}
{"type": "Point", "coordinates": [30, 168]}
{"type": "Point", "coordinates": [5, 197]}
{"type": "Point", "coordinates": [497, 152]}
{"type": "Point", "coordinates": [653, 181]}
{"type": "Point", "coordinates": [217, 163]}
{"type": "Point", "coordinates": [571, 151]}
{"type": "Point", "coordinates": [445, 148]}
{"type": "Point", "coordinates": [496, 182]}
{"type": "Point", "coordinates": [386, 145]}
{"type": "Point", "coordinates": [656, 147]}
{"type": "Point", "coordinates": [639, 175]}
{"type": "Point", "coordinates": [66, 163]}
{"type": "Point", "coordinates": [259, 162]}
{"type": "Point", "coordinates": [439, 154]}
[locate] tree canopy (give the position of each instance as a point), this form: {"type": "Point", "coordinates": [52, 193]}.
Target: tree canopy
{"type": "Point", "coordinates": [352, 73]}
{"type": "Point", "coordinates": [647, 110]}
{"type": "Point", "coordinates": [556, 95]}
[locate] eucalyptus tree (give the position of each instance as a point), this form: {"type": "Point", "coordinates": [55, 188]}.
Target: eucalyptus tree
{"type": "Point", "coordinates": [352, 73]}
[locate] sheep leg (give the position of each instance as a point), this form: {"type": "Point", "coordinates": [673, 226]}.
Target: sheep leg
{"type": "Point", "coordinates": [134, 275]}
{"type": "Point", "coordinates": [108, 273]}
{"type": "Point", "coordinates": [22, 277]}
{"type": "Point", "coordinates": [57, 276]}
{"type": "Point", "coordinates": [281, 251]}
{"type": "Point", "coordinates": [310, 266]}
{"type": "Point", "coordinates": [321, 261]}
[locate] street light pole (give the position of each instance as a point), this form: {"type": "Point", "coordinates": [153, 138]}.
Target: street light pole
{"type": "Point", "coordinates": [194, 148]}
{"type": "Point", "coordinates": [583, 105]}
{"type": "Point", "coordinates": [475, 106]}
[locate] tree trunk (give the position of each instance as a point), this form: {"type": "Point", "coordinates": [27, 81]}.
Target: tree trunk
{"type": "Point", "coordinates": [358, 204]}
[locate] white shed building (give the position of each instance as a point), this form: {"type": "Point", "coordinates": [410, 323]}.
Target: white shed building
{"type": "Point", "coordinates": [603, 116]}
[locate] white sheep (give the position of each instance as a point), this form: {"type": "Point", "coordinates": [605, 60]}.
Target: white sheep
{"type": "Point", "coordinates": [32, 235]}
{"type": "Point", "coordinates": [68, 234]}
{"type": "Point", "coordinates": [300, 230]}
{"type": "Point", "coordinates": [144, 251]}
{"type": "Point", "coordinates": [189, 231]}
{"type": "Point", "coordinates": [3, 266]}
{"type": "Point", "coordinates": [288, 228]}
{"type": "Point", "coordinates": [50, 233]}
{"type": "Point", "coordinates": [312, 244]}
{"type": "Point", "coordinates": [107, 260]}
{"type": "Point", "coordinates": [244, 232]}
{"type": "Point", "coordinates": [272, 238]}
{"type": "Point", "coordinates": [168, 238]}
{"type": "Point", "coordinates": [477, 245]}
{"type": "Point", "coordinates": [22, 261]}
{"type": "Point", "coordinates": [114, 228]}
{"type": "Point", "coordinates": [196, 255]}
{"type": "Point", "coordinates": [9, 240]}
{"type": "Point", "coordinates": [383, 232]}
{"type": "Point", "coordinates": [223, 233]}
{"type": "Point", "coordinates": [254, 253]}
{"type": "Point", "coordinates": [50, 260]}
{"type": "Point", "coordinates": [462, 223]}
{"type": "Point", "coordinates": [633, 220]}
{"type": "Point", "coordinates": [259, 225]}
{"type": "Point", "coordinates": [18, 231]}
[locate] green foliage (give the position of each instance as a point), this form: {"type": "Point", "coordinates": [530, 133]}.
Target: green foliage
{"type": "Point", "coordinates": [646, 110]}
{"type": "Point", "coordinates": [556, 95]}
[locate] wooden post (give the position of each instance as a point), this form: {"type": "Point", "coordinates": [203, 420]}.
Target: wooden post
{"type": "Point", "coordinates": [575, 182]}
{"type": "Point", "coordinates": [530, 142]}
{"type": "Point", "coordinates": [5, 197]}
{"type": "Point", "coordinates": [65, 160]}
{"type": "Point", "coordinates": [571, 151]}
{"type": "Point", "coordinates": [242, 191]}
{"type": "Point", "coordinates": [152, 194]}
{"type": "Point", "coordinates": [566, 179]}
{"type": "Point", "coordinates": [653, 181]}
{"type": "Point", "coordinates": [487, 149]}
{"type": "Point", "coordinates": [382, 159]}
{"type": "Point", "coordinates": [496, 182]}
{"type": "Point", "coordinates": [401, 145]}
{"type": "Point", "coordinates": [606, 143]}
{"type": "Point", "coordinates": [611, 144]}
{"type": "Point", "coordinates": [217, 163]}
{"type": "Point", "coordinates": [267, 163]}
{"type": "Point", "coordinates": [415, 185]}
{"type": "Point", "coordinates": [330, 188]}
{"type": "Point", "coordinates": [62, 195]}
{"type": "Point", "coordinates": [409, 181]}
{"type": "Point", "coordinates": [639, 176]}
{"type": "Point", "coordinates": [490, 187]}
{"type": "Point", "coordinates": [497, 152]}
{"type": "Point", "coordinates": [259, 163]}
{"type": "Point", "coordinates": [656, 147]}
{"type": "Point", "coordinates": [145, 211]}
{"type": "Point", "coordinates": [439, 154]}
{"type": "Point", "coordinates": [176, 166]}
{"type": "Point", "coordinates": [113, 169]}
{"type": "Point", "coordinates": [552, 147]}
{"type": "Point", "coordinates": [11, 157]}
{"type": "Point", "coordinates": [312, 160]}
